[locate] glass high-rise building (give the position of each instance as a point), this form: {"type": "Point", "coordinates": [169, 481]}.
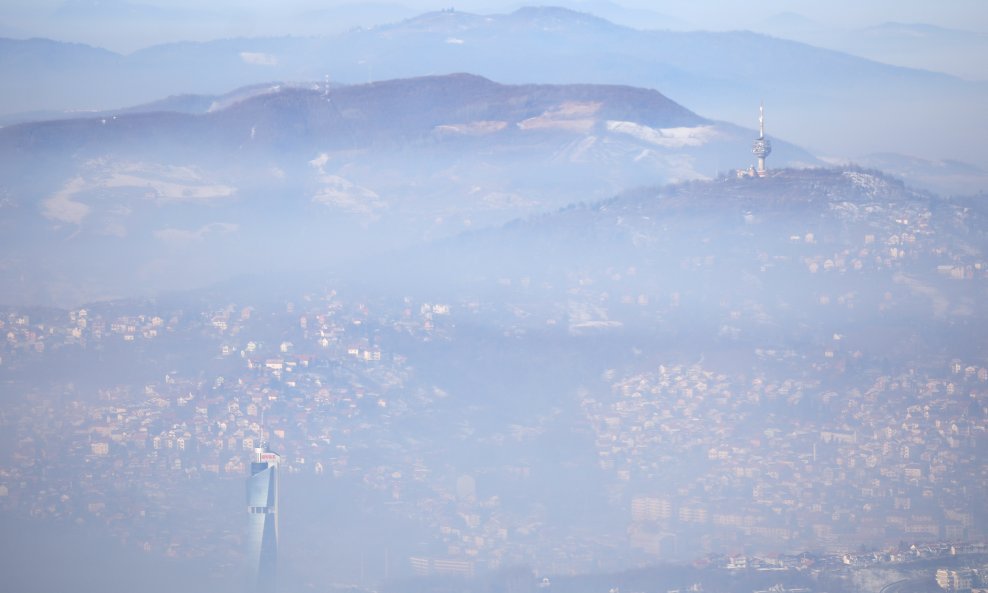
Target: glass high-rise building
{"type": "Point", "coordinates": [262, 522]}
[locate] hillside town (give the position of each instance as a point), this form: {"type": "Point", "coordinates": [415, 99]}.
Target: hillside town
{"type": "Point", "coordinates": [734, 451]}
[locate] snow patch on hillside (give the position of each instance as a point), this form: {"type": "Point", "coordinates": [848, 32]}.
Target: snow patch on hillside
{"type": "Point", "coordinates": [101, 178]}
{"type": "Point", "coordinates": [339, 192]}
{"type": "Point", "coordinates": [571, 116]}
{"type": "Point", "coordinates": [258, 58]}
{"type": "Point", "coordinates": [665, 137]}
{"type": "Point", "coordinates": [476, 128]}
{"type": "Point", "coordinates": [185, 236]}
{"type": "Point", "coordinates": [166, 183]}
{"type": "Point", "coordinates": [62, 207]}
{"type": "Point", "coordinates": [871, 184]}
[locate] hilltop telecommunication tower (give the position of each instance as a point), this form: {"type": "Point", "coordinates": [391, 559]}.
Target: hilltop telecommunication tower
{"type": "Point", "coordinates": [761, 147]}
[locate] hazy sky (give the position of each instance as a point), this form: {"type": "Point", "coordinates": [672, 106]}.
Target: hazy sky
{"type": "Point", "coordinates": [970, 14]}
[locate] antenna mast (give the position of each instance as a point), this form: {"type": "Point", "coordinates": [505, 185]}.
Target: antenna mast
{"type": "Point", "coordinates": [761, 120]}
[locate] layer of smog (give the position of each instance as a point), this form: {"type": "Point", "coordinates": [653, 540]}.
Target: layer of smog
{"type": "Point", "coordinates": [401, 298]}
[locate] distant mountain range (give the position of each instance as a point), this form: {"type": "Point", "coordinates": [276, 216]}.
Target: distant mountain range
{"type": "Point", "coordinates": [306, 177]}
{"type": "Point", "coordinates": [832, 102]}
{"type": "Point", "coordinates": [919, 45]}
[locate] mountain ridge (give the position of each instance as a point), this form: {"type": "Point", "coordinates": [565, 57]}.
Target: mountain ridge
{"type": "Point", "coordinates": [822, 99]}
{"type": "Point", "coordinates": [330, 170]}
{"type": "Point", "coordinates": [419, 105]}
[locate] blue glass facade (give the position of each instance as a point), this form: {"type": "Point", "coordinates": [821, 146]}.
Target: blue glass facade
{"type": "Point", "coordinates": [262, 523]}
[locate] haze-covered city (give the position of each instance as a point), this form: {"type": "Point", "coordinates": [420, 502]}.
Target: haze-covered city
{"type": "Point", "coordinates": [401, 297]}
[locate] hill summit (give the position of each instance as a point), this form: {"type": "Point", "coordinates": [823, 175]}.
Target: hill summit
{"type": "Point", "coordinates": [334, 171]}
